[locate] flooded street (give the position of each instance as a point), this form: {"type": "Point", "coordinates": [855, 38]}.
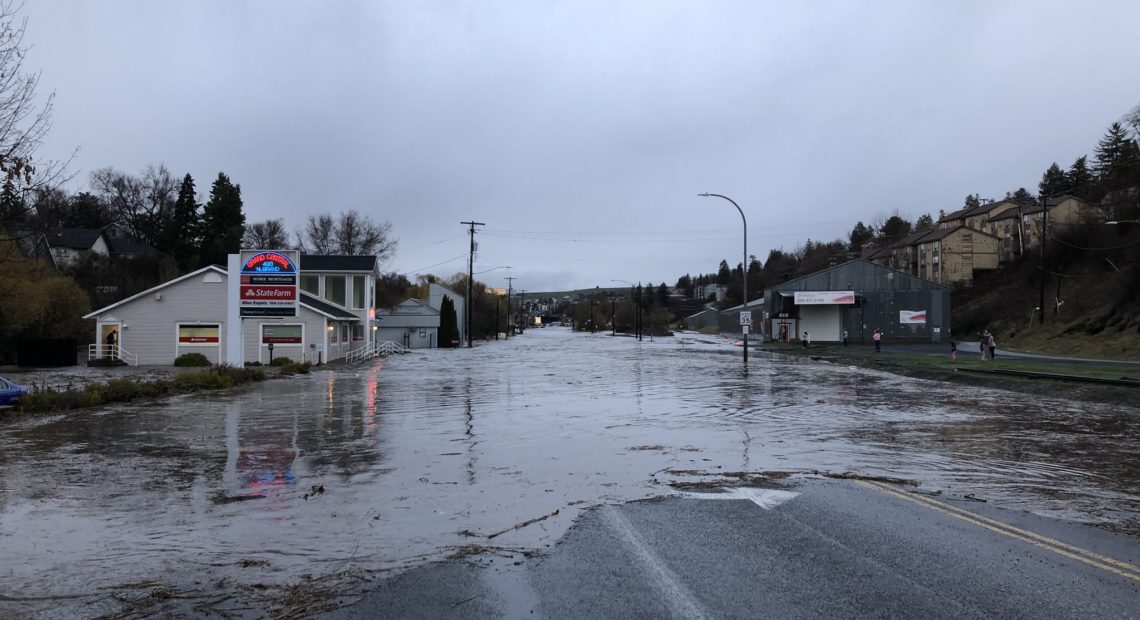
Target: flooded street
{"type": "Point", "coordinates": [413, 458]}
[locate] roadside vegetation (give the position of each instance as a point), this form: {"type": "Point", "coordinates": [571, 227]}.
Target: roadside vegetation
{"type": "Point", "coordinates": [127, 390]}
{"type": "Point", "coordinates": [971, 371]}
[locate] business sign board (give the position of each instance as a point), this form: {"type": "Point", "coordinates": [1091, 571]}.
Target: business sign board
{"type": "Point", "coordinates": [268, 285]}
{"type": "Point", "coordinates": [912, 317]}
{"type": "Point", "coordinates": [824, 298]}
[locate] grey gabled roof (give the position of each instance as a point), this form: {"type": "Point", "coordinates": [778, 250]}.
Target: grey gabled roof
{"type": "Point", "coordinates": [335, 262]}
{"type": "Point", "coordinates": [327, 309]}
{"type": "Point", "coordinates": [942, 233]}
{"type": "Point", "coordinates": [918, 283]}
{"type": "Point", "coordinates": [410, 307]}
{"type": "Point", "coordinates": [73, 238]}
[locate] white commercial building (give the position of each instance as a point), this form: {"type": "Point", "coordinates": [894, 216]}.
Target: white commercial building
{"type": "Point", "coordinates": [335, 315]}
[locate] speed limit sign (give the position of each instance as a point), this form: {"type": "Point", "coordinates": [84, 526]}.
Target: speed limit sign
{"type": "Point", "coordinates": [746, 317]}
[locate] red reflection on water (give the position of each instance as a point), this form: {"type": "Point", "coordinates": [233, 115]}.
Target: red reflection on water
{"type": "Point", "coordinates": [370, 385]}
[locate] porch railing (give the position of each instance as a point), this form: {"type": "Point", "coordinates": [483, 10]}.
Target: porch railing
{"type": "Point", "coordinates": [111, 351]}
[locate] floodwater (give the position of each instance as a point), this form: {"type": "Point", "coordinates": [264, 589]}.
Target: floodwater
{"type": "Point", "coordinates": [413, 458]}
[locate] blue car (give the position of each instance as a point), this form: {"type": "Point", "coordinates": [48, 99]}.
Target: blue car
{"type": "Point", "coordinates": [10, 392]}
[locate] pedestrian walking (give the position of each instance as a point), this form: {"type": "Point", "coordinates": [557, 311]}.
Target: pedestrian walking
{"type": "Point", "coordinates": [992, 345]}
{"type": "Point", "coordinates": [983, 339]}
{"type": "Point", "coordinates": [878, 338]}
{"type": "Point", "coordinates": [806, 341]}
{"type": "Point", "coordinates": [953, 351]}
{"type": "Point", "coordinates": [845, 337]}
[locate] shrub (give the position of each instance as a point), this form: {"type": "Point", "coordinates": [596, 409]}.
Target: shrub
{"type": "Point", "coordinates": [51, 400]}
{"type": "Point", "coordinates": [293, 368]}
{"type": "Point", "coordinates": [281, 361]}
{"type": "Point", "coordinates": [191, 359]}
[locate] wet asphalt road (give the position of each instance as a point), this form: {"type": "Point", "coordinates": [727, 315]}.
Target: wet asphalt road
{"type": "Point", "coordinates": [830, 549]}
{"type": "Point", "coordinates": [287, 496]}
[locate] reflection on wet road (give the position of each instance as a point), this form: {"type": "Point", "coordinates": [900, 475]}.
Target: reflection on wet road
{"type": "Point", "coordinates": [411, 458]}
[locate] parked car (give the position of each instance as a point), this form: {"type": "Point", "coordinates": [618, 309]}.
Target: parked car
{"type": "Point", "coordinates": [11, 392]}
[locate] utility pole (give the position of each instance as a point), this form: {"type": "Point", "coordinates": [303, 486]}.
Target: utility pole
{"type": "Point", "coordinates": [470, 274]}
{"type": "Point", "coordinates": [1044, 236]}
{"type": "Point", "coordinates": [639, 310]}
{"type": "Point", "coordinates": [510, 280]}
{"type": "Point", "coordinates": [522, 310]}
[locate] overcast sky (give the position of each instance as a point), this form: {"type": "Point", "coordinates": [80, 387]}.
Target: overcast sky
{"type": "Point", "coordinates": [582, 132]}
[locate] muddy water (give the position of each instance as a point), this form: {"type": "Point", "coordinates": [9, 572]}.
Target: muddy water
{"type": "Point", "coordinates": [414, 457]}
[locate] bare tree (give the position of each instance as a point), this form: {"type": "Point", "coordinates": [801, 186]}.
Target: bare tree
{"type": "Point", "coordinates": [317, 235]}
{"type": "Point", "coordinates": [24, 120]}
{"type": "Point", "coordinates": [358, 235]}
{"type": "Point", "coordinates": [349, 233]}
{"type": "Point", "coordinates": [267, 235]}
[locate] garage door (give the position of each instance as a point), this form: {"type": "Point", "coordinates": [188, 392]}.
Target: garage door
{"type": "Point", "coordinates": [821, 322]}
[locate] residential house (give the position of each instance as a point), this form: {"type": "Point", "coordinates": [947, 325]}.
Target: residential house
{"type": "Point", "coordinates": [68, 246]}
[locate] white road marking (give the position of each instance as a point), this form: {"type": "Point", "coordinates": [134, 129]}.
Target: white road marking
{"type": "Point", "coordinates": [764, 498]}
{"type": "Point", "coordinates": [676, 595]}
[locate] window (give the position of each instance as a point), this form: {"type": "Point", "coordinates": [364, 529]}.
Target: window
{"type": "Point", "coordinates": [199, 335]}
{"type": "Point", "coordinates": [311, 285]}
{"type": "Point", "coordinates": [281, 334]}
{"type": "Point", "coordinates": [333, 334]}
{"type": "Point", "coordinates": [358, 292]}
{"type": "Point", "coordinates": [357, 333]}
{"type": "Point", "coordinates": [344, 332]}
{"type": "Point", "coordinates": [334, 290]}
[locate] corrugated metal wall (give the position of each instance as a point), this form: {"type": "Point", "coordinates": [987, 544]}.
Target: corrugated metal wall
{"type": "Point", "coordinates": [881, 294]}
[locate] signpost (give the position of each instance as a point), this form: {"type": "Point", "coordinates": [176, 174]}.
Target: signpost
{"type": "Point", "coordinates": [268, 285]}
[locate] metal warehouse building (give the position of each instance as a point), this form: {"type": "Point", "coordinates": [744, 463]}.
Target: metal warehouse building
{"type": "Point", "coordinates": [858, 296]}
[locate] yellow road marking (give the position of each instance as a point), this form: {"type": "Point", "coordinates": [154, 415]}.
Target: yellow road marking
{"type": "Point", "coordinates": [1124, 569]}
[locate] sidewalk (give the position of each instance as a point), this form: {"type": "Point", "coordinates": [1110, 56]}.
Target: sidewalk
{"type": "Point", "coordinates": [966, 350]}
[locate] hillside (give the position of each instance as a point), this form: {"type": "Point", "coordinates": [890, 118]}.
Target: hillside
{"type": "Point", "coordinates": [1093, 269]}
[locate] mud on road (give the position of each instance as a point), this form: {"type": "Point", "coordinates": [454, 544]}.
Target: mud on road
{"type": "Point", "coordinates": [286, 494]}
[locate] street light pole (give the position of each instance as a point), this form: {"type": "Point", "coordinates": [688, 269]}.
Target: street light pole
{"type": "Point", "coordinates": [613, 323]}
{"type": "Point", "coordinates": [510, 281]}
{"type": "Point", "coordinates": [744, 265]}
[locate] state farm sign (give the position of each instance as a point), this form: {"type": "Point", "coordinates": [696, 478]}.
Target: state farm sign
{"type": "Point", "coordinates": [268, 283]}
{"type": "Point", "coordinates": [818, 298]}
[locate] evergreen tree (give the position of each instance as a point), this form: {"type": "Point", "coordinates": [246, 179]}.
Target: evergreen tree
{"type": "Point", "coordinates": [448, 324]}
{"type": "Point", "coordinates": [1115, 152]}
{"type": "Point", "coordinates": [1053, 182]}
{"type": "Point", "coordinates": [859, 235]}
{"type": "Point", "coordinates": [723, 276]}
{"type": "Point", "coordinates": [1079, 176]}
{"type": "Point", "coordinates": [180, 236]}
{"type": "Point", "coordinates": [924, 222]}
{"type": "Point", "coordinates": [13, 211]}
{"type": "Point", "coordinates": [663, 295]}
{"type": "Point", "coordinates": [896, 228]}
{"type": "Point", "coordinates": [223, 222]}
{"type": "Point", "coordinates": [973, 201]}
{"type": "Point", "coordinates": [1023, 197]}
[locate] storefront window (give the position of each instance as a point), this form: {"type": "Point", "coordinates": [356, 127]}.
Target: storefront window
{"type": "Point", "coordinates": [333, 334]}
{"type": "Point", "coordinates": [357, 333]}
{"type": "Point", "coordinates": [334, 290]}
{"type": "Point", "coordinates": [344, 332]}
{"type": "Point", "coordinates": [199, 335]}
